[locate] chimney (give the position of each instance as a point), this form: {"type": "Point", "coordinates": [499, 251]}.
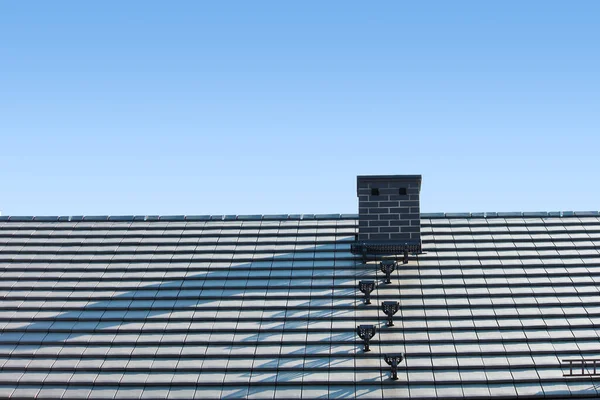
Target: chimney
{"type": "Point", "coordinates": [389, 214]}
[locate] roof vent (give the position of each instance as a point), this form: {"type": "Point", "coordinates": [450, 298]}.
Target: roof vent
{"type": "Point", "coordinates": [389, 215]}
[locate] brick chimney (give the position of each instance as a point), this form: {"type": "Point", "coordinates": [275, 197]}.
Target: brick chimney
{"type": "Point", "coordinates": [389, 211]}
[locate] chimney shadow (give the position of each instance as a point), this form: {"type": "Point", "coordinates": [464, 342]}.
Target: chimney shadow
{"type": "Point", "coordinates": [110, 318]}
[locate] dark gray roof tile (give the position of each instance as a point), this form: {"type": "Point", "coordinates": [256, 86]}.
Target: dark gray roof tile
{"type": "Point", "coordinates": [274, 217]}
{"type": "Point", "coordinates": [535, 214]}
{"type": "Point", "coordinates": [197, 217]}
{"type": "Point", "coordinates": [121, 218]}
{"type": "Point", "coordinates": [21, 219]}
{"type": "Point", "coordinates": [433, 215]}
{"type": "Point", "coordinates": [213, 306]}
{"type": "Point", "coordinates": [349, 216]}
{"type": "Point", "coordinates": [516, 214]}
{"type": "Point", "coordinates": [458, 215]}
{"type": "Point", "coordinates": [586, 213]}
{"type": "Point", "coordinates": [96, 218]}
{"type": "Point", "coordinates": [256, 217]}
{"type": "Point", "coordinates": [327, 216]}
{"type": "Point", "coordinates": [173, 218]}
{"type": "Point", "coordinates": [46, 218]}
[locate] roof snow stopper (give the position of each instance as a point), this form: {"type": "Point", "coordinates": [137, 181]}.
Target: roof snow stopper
{"type": "Point", "coordinates": [366, 287]}
{"type": "Point", "coordinates": [390, 308]}
{"type": "Point", "coordinates": [366, 333]}
{"type": "Point", "coordinates": [393, 360]}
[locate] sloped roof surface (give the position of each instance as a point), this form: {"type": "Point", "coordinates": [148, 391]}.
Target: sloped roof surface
{"type": "Point", "coordinates": [236, 307]}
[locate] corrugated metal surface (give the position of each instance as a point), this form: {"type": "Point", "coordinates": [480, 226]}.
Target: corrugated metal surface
{"type": "Point", "coordinates": [235, 307]}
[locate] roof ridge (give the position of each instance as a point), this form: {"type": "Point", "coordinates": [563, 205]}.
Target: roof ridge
{"type": "Point", "coordinates": [516, 214]}
{"type": "Point", "coordinates": [282, 217]}
{"type": "Point", "coordinates": [174, 218]}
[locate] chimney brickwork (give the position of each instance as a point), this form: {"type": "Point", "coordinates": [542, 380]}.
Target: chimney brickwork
{"type": "Point", "coordinates": [389, 208]}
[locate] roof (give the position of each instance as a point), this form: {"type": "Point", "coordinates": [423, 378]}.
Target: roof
{"type": "Point", "coordinates": [267, 307]}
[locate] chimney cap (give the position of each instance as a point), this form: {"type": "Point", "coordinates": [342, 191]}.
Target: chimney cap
{"type": "Point", "coordinates": [388, 179]}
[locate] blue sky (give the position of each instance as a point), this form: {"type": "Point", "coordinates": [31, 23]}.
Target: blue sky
{"type": "Point", "coordinates": [274, 107]}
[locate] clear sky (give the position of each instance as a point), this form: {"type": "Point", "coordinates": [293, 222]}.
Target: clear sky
{"type": "Point", "coordinates": [253, 107]}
